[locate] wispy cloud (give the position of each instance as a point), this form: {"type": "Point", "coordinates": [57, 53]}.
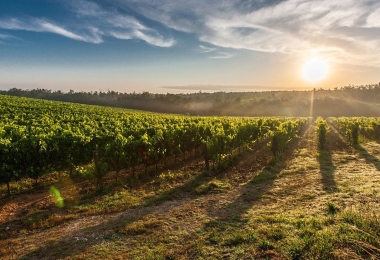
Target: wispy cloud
{"type": "Point", "coordinates": [92, 24]}
{"type": "Point", "coordinates": [112, 23]}
{"type": "Point", "coordinates": [215, 53]}
{"type": "Point", "coordinates": [5, 36]}
{"type": "Point", "coordinates": [205, 49]}
{"type": "Point", "coordinates": [42, 25]}
{"type": "Point", "coordinates": [148, 36]}
{"type": "Point", "coordinates": [348, 31]}
{"type": "Point", "coordinates": [49, 27]}
{"type": "Point", "coordinates": [221, 55]}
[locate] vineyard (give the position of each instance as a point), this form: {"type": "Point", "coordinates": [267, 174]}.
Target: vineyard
{"type": "Point", "coordinates": [38, 137]}
{"type": "Point", "coordinates": [103, 182]}
{"type": "Point", "coordinates": [352, 128]}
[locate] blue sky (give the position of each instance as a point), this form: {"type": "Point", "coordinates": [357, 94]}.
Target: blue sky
{"type": "Point", "coordinates": [185, 46]}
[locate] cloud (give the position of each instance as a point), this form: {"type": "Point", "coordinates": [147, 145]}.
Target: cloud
{"type": "Point", "coordinates": [221, 55]}
{"type": "Point", "coordinates": [42, 25]}
{"type": "Point", "coordinates": [5, 36]}
{"type": "Point", "coordinates": [348, 31]}
{"type": "Point", "coordinates": [154, 39]}
{"type": "Point", "coordinates": [205, 49]}
{"type": "Point", "coordinates": [215, 53]}
{"type": "Point", "coordinates": [49, 27]}
{"type": "Point", "coordinates": [91, 24]}
{"type": "Point", "coordinates": [345, 31]}
{"type": "Point", "coordinates": [150, 37]}
{"type": "Point", "coordinates": [112, 23]}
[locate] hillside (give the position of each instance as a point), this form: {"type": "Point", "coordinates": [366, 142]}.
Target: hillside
{"type": "Point", "coordinates": [346, 101]}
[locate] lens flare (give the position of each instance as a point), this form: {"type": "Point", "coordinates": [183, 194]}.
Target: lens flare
{"type": "Point", "coordinates": [311, 104]}
{"type": "Point", "coordinates": [54, 192]}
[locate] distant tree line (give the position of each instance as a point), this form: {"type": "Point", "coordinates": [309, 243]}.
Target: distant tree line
{"type": "Point", "coordinates": [351, 100]}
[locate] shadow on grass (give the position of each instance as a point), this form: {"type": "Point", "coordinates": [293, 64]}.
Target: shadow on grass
{"type": "Point", "coordinates": [369, 158]}
{"type": "Point", "coordinates": [335, 143]}
{"type": "Point", "coordinates": [139, 180]}
{"type": "Point", "coordinates": [327, 169]}
{"type": "Point", "coordinates": [72, 244]}
{"type": "Point", "coordinates": [252, 192]}
{"type": "Point", "coordinates": [76, 243]}
{"type": "Point", "coordinates": [185, 190]}
{"type": "Point", "coordinates": [191, 188]}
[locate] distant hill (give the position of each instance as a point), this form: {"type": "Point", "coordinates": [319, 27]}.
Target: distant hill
{"type": "Point", "coordinates": [350, 100]}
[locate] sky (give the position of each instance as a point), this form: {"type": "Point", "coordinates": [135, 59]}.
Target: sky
{"type": "Point", "coordinates": [183, 46]}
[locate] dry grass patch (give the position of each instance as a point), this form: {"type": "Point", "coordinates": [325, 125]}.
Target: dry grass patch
{"type": "Point", "coordinates": [213, 186]}
{"type": "Point", "coordinates": [141, 227]}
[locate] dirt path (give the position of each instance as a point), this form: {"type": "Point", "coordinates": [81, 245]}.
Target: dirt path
{"type": "Point", "coordinates": [300, 185]}
{"type": "Point", "coordinates": [185, 214]}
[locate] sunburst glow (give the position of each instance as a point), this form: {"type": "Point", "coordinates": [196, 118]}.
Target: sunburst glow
{"type": "Point", "coordinates": [314, 69]}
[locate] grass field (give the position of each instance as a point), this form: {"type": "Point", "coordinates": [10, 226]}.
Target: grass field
{"type": "Point", "coordinates": [307, 204]}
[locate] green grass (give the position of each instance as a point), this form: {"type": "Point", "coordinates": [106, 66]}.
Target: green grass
{"type": "Point", "coordinates": [110, 202]}
{"type": "Point", "coordinates": [280, 211]}
{"type": "Point", "coordinates": [213, 186]}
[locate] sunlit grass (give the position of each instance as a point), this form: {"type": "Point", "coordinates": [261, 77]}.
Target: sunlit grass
{"type": "Point", "coordinates": [281, 211]}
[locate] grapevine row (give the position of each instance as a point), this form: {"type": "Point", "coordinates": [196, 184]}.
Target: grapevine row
{"type": "Point", "coordinates": [322, 129]}
{"type": "Point", "coordinates": [352, 127]}
{"type": "Point", "coordinates": [37, 137]}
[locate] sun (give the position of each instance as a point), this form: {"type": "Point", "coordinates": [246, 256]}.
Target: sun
{"type": "Point", "coordinates": [315, 69]}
